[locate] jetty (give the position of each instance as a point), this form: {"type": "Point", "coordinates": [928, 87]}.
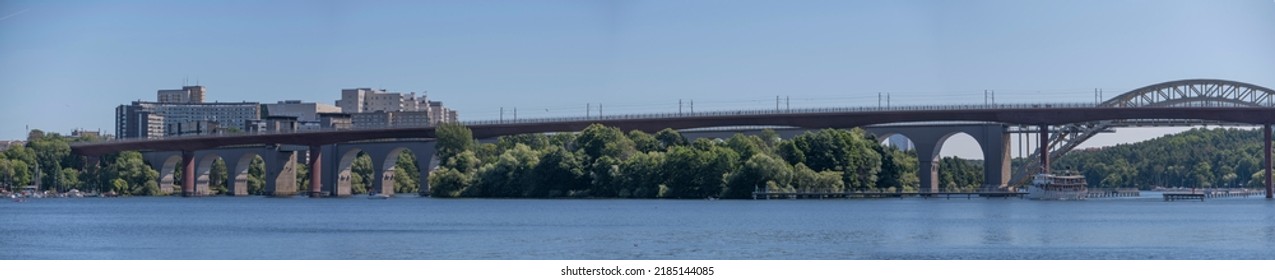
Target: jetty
{"type": "Point", "coordinates": [1201, 195]}
{"type": "Point", "coordinates": [900, 195]}
{"type": "Point", "coordinates": [1112, 193]}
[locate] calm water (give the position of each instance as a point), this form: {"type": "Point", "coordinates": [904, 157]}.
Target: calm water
{"type": "Point", "coordinates": [425, 228]}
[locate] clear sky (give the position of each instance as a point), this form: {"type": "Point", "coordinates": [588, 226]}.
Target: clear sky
{"type": "Point", "coordinates": [67, 64]}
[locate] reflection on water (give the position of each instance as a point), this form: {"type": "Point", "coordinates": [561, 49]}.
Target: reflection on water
{"type": "Point", "coordinates": [425, 228]}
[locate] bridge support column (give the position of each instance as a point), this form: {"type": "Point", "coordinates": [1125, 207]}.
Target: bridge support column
{"type": "Point", "coordinates": [1044, 149]}
{"type": "Point", "coordinates": [188, 173]}
{"type": "Point", "coordinates": [1266, 155]}
{"type": "Point", "coordinates": [316, 171]}
{"type": "Point", "coordinates": [281, 173]}
{"type": "Point", "coordinates": [996, 157]}
{"type": "Point", "coordinates": [425, 162]}
{"type": "Point", "coordinates": [928, 172]}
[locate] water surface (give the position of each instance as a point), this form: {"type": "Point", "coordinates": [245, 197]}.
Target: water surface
{"type": "Point", "coordinates": [427, 228]}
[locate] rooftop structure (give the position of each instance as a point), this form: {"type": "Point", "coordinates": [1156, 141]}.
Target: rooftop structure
{"type": "Point", "coordinates": [187, 94]}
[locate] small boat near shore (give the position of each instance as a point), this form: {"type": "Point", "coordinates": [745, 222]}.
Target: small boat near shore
{"type": "Point", "coordinates": [1058, 187]}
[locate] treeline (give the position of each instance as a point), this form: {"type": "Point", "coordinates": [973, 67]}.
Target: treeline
{"type": "Point", "coordinates": [47, 156]}
{"type": "Point", "coordinates": [603, 161]}
{"type": "Point", "coordinates": [1202, 158]}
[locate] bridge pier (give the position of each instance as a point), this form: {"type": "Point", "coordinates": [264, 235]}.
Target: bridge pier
{"type": "Point", "coordinates": [188, 173]}
{"type": "Point", "coordinates": [281, 173]}
{"type": "Point", "coordinates": [1044, 149]}
{"type": "Point", "coordinates": [316, 171]}
{"type": "Point", "coordinates": [1266, 156]}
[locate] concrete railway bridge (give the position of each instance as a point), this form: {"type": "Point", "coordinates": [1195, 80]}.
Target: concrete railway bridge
{"type": "Point", "coordinates": [1059, 127]}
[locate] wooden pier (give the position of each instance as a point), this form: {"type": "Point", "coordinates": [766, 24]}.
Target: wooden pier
{"type": "Point", "coordinates": [1183, 196]}
{"type": "Point", "coordinates": [1110, 193]}
{"type": "Point", "coordinates": [1201, 195]}
{"type": "Point", "coordinates": [900, 195]}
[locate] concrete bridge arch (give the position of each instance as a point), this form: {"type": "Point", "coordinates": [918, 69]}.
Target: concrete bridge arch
{"type": "Point", "coordinates": [337, 180]}
{"type": "Point", "coordinates": [280, 175]}
{"type": "Point", "coordinates": [928, 140]}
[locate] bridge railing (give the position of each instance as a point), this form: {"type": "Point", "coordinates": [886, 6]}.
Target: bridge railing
{"type": "Point", "coordinates": [774, 112]}
{"type": "Point", "coordinates": [647, 116]}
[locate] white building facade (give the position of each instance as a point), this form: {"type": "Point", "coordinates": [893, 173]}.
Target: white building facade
{"type": "Point", "coordinates": [369, 108]}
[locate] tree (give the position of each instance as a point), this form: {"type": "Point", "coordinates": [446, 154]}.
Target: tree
{"type": "Point", "coordinates": [257, 177]}
{"type": "Point", "coordinates": [406, 173]}
{"type": "Point", "coordinates": [747, 146]}
{"type": "Point", "coordinates": [1203, 174]}
{"type": "Point", "coordinates": [641, 175]}
{"type": "Point", "coordinates": [850, 152]}
{"type": "Point", "coordinates": [670, 138]}
{"type": "Point", "coordinates": [361, 175]}
{"type": "Point", "coordinates": [448, 182]}
{"type": "Point", "coordinates": [454, 176]}
{"type": "Point", "coordinates": [598, 140]}
{"type": "Point", "coordinates": [891, 170]}
{"type": "Point", "coordinates": [697, 173]}
{"type": "Point", "coordinates": [53, 152]}
{"type": "Point", "coordinates": [217, 177]}
{"type": "Point", "coordinates": [605, 178]}
{"type": "Point", "coordinates": [6, 173]}
{"type": "Point", "coordinates": [452, 139]}
{"type": "Point", "coordinates": [759, 171]}
{"type": "Point", "coordinates": [808, 180]}
{"type": "Point", "coordinates": [69, 179]}
{"type": "Point", "coordinates": [959, 175]}
{"type": "Point", "coordinates": [536, 141]}
{"type": "Point", "coordinates": [303, 177]}
{"type": "Point", "coordinates": [771, 138]}
{"type": "Point", "coordinates": [14, 173]}
{"type": "Point", "coordinates": [644, 142]}
{"type": "Point", "coordinates": [131, 175]}
{"type": "Point", "coordinates": [559, 172]}
{"type": "Point", "coordinates": [510, 176]}
{"type": "Point", "coordinates": [1257, 180]}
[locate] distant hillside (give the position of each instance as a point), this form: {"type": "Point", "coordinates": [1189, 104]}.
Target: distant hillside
{"type": "Point", "coordinates": [1196, 158]}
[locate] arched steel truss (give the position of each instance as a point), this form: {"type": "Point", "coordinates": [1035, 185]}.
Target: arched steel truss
{"type": "Point", "coordinates": [1182, 93]}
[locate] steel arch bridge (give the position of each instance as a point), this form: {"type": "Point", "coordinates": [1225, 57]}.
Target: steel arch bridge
{"type": "Point", "coordinates": [1180, 93]}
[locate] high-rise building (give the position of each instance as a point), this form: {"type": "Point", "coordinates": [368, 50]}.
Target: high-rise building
{"type": "Point", "coordinates": [390, 119]}
{"type": "Point", "coordinates": [187, 94]}
{"type": "Point", "coordinates": [362, 100]}
{"type": "Point", "coordinates": [134, 121]}
{"type": "Point", "coordinates": [440, 114]}
{"type": "Point", "coordinates": [370, 108]}
{"type": "Point", "coordinates": [183, 112]}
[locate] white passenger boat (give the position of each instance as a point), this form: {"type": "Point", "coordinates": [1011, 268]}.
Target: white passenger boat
{"type": "Point", "coordinates": [1058, 187]}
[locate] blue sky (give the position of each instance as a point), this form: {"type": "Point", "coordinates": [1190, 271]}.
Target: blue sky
{"type": "Point", "coordinates": [67, 64]}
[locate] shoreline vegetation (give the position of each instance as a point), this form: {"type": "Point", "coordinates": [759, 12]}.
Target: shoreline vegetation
{"type": "Point", "coordinates": [604, 162]}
